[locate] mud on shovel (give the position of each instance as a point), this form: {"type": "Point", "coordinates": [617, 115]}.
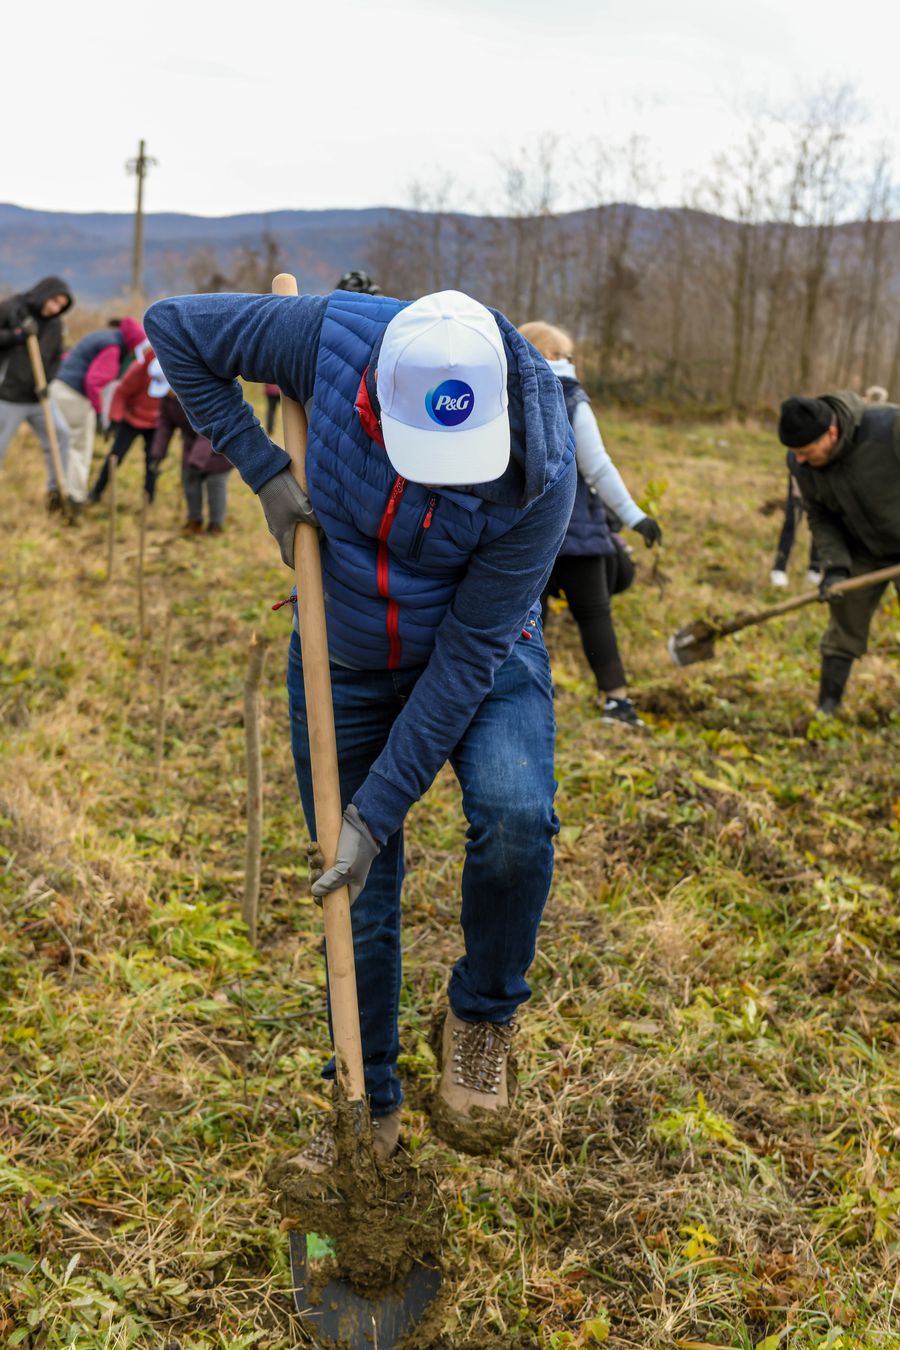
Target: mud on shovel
{"type": "Point", "coordinates": [331, 1307]}
{"type": "Point", "coordinates": [697, 641]}
{"type": "Point", "coordinates": [43, 394]}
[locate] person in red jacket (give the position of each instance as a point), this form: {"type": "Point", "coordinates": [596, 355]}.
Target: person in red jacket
{"type": "Point", "coordinates": [133, 412]}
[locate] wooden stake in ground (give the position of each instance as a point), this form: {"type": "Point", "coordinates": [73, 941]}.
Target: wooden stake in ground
{"type": "Point", "coordinates": [142, 539]}
{"type": "Point", "coordinates": [43, 395]}
{"type": "Point", "coordinates": [252, 869]}
{"type": "Point", "coordinates": [163, 691]}
{"type": "Point", "coordinates": [111, 536]}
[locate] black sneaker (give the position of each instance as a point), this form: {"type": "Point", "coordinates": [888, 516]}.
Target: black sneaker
{"type": "Point", "coordinates": [621, 712]}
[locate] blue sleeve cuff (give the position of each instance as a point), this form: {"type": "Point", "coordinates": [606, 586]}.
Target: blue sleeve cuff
{"type": "Point", "coordinates": [382, 806]}
{"type": "Point", "coordinates": [255, 457]}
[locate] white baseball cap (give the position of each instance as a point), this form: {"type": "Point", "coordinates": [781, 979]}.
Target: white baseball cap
{"type": "Point", "coordinates": [442, 391]}
{"type": "Point", "coordinates": [159, 385]}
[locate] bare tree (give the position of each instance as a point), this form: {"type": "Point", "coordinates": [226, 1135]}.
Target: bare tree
{"type": "Point", "coordinates": [250, 268]}
{"type": "Point", "coordinates": [819, 192]}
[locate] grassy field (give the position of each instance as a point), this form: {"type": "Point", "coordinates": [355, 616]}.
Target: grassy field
{"type": "Point", "coordinates": [709, 1065]}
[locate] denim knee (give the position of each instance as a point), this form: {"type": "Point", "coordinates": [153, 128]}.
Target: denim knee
{"type": "Point", "coordinates": [514, 829]}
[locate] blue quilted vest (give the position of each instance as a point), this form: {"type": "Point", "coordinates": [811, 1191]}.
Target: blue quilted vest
{"type": "Point", "coordinates": [76, 365]}
{"type": "Point", "coordinates": [393, 552]}
{"type": "Point", "coordinates": [588, 535]}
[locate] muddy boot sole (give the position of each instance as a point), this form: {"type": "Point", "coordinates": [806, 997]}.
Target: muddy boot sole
{"type": "Point", "coordinates": [478, 1131]}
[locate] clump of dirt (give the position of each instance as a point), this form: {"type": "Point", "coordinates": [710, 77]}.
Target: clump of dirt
{"type": "Point", "coordinates": [673, 700]}
{"type": "Point", "coordinates": [478, 1132]}
{"type": "Point", "coordinates": [380, 1218]}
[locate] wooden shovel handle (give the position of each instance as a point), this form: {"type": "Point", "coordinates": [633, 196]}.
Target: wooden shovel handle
{"type": "Point", "coordinates": [323, 756]}
{"type": "Point", "coordinates": [40, 385]}
{"type": "Point", "coordinates": [807, 598]}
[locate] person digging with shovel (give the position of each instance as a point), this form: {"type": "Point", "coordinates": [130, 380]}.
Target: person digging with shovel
{"type": "Point", "coordinates": [845, 456]}
{"type": "Point", "coordinates": [441, 476]}
{"type": "Point", "coordinates": [38, 313]}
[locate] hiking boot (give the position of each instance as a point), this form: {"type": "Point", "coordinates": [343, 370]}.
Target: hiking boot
{"type": "Point", "coordinates": [192, 527]}
{"type": "Point", "coordinates": [320, 1153]}
{"type": "Point", "coordinates": [214, 529]}
{"type": "Point", "coordinates": [471, 1110]}
{"type": "Point", "coordinates": [778, 578]}
{"type": "Point", "coordinates": [54, 500]}
{"type": "Point", "coordinates": [621, 712]}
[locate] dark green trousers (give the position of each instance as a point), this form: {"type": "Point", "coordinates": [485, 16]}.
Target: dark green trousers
{"type": "Point", "coordinates": [847, 633]}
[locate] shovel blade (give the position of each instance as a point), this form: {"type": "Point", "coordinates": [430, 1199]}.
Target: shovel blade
{"type": "Point", "coordinates": [350, 1321]}
{"type": "Point", "coordinates": [695, 642]}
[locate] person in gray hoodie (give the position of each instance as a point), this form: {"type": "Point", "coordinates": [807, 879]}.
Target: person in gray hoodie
{"type": "Point", "coordinates": [37, 312]}
{"type": "Point", "coordinates": [845, 456]}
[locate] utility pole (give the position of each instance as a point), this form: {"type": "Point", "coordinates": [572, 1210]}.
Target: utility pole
{"type": "Point", "coordinates": [139, 167]}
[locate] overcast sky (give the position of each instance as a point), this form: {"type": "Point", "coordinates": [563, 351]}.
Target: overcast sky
{"type": "Point", "coordinates": [257, 106]}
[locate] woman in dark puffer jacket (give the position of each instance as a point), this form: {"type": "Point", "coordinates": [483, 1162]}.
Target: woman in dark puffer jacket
{"type": "Point", "coordinates": [593, 564]}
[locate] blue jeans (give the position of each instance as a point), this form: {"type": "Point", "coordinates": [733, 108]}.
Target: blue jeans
{"type": "Point", "coordinates": [504, 764]}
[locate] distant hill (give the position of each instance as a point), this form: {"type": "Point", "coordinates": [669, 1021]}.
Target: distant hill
{"type": "Point", "coordinates": [673, 304]}
{"type": "Point", "coordinates": [93, 251]}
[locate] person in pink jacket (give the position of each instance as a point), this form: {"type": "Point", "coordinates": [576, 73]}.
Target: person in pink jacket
{"type": "Point", "coordinates": [133, 412]}
{"type": "Point", "coordinates": [78, 390]}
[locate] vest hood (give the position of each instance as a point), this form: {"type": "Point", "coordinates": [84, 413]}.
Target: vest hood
{"type": "Point", "coordinates": [43, 290]}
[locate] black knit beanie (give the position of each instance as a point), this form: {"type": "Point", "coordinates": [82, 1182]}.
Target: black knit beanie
{"type": "Point", "coordinates": [803, 420]}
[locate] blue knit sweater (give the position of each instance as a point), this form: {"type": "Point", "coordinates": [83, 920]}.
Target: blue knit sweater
{"type": "Point", "coordinates": [464, 597]}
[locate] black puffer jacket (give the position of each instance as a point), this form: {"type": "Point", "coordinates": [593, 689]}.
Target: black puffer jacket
{"type": "Point", "coordinates": [854, 500]}
{"type": "Point", "coordinates": [16, 379]}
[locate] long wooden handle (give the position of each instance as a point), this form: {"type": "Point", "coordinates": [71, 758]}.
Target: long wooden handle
{"type": "Point", "coordinates": [807, 598]}
{"type": "Point", "coordinates": [40, 385]}
{"type": "Point", "coordinates": [323, 756]}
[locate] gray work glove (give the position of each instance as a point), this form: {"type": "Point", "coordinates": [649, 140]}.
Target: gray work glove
{"type": "Point", "coordinates": [29, 327]}
{"type": "Point", "coordinates": [356, 851]}
{"type": "Point", "coordinates": [650, 530]}
{"type": "Point", "coordinates": [286, 505]}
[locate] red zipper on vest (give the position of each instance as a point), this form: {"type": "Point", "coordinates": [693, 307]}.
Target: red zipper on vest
{"type": "Point", "coordinates": [393, 609]}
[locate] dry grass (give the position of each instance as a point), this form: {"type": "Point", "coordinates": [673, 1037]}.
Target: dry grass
{"type": "Point", "coordinates": [710, 1062]}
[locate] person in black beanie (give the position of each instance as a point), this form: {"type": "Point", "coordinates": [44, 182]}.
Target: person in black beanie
{"type": "Point", "coordinates": [845, 456]}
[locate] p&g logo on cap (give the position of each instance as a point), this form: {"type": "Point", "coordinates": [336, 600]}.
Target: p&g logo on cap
{"type": "Point", "coordinates": [450, 403]}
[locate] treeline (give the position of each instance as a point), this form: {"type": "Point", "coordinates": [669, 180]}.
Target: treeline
{"type": "Point", "coordinates": [781, 272]}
